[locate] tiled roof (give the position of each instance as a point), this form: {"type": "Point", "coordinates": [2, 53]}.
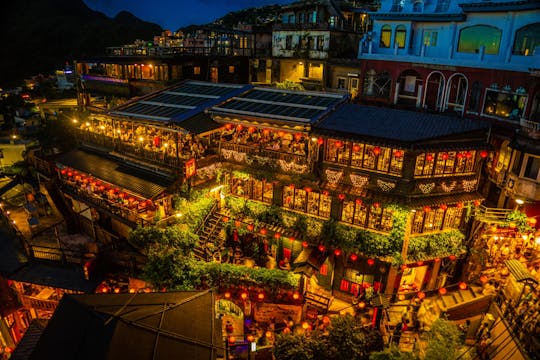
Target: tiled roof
{"type": "Point", "coordinates": [391, 124]}
{"type": "Point", "coordinates": [172, 325]}
{"type": "Point", "coordinates": [147, 184]}
{"type": "Point", "coordinates": [62, 277]}
{"type": "Point", "coordinates": [279, 104]}
{"type": "Point", "coordinates": [179, 102]}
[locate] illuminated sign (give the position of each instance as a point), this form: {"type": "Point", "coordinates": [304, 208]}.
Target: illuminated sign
{"type": "Point", "coordinates": [190, 168]}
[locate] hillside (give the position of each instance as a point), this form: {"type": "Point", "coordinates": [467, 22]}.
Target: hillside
{"type": "Point", "coordinates": [39, 36]}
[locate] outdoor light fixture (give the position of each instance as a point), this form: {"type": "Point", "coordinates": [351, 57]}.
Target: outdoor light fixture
{"type": "Point", "coordinates": [519, 201]}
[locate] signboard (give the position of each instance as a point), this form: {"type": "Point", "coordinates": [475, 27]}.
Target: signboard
{"type": "Point", "coordinates": [190, 168]}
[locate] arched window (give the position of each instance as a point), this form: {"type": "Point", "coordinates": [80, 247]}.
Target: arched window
{"type": "Point", "coordinates": [473, 37]}
{"type": "Point", "coordinates": [401, 34]}
{"type": "Point", "coordinates": [527, 40]}
{"type": "Point", "coordinates": [386, 33]}
{"type": "Point", "coordinates": [418, 7]}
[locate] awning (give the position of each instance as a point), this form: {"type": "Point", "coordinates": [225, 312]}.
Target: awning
{"type": "Point", "coordinates": [137, 181]}
{"type": "Point", "coordinates": [520, 272]}
{"type": "Point", "coordinates": [309, 261]}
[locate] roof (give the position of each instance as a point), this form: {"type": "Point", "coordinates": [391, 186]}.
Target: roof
{"type": "Point", "coordinates": [200, 124]}
{"type": "Point", "coordinates": [137, 181]}
{"type": "Point", "coordinates": [132, 326]}
{"type": "Point", "coordinates": [519, 271]}
{"type": "Point", "coordinates": [405, 126]}
{"type": "Point", "coordinates": [30, 339]}
{"type": "Point", "coordinates": [61, 277]}
{"type": "Point", "coordinates": [492, 6]}
{"type": "Point", "coordinates": [310, 260]}
{"type": "Point", "coordinates": [179, 102]}
{"type": "Point", "coordinates": [302, 107]}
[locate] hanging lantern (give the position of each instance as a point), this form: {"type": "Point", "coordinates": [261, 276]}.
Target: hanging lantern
{"type": "Point", "coordinates": [70, 174]}
{"type": "Point", "coordinates": [421, 295]}
{"type": "Point", "coordinates": [404, 267]}
{"type": "Point", "coordinates": [244, 295]}
{"type": "Point", "coordinates": [325, 193]}
{"type": "Point", "coordinates": [356, 148]}
{"type": "Point", "coordinates": [376, 150]}
{"type": "Point", "coordinates": [419, 263]}
{"type": "Point", "coordinates": [468, 155]}
{"type": "Point", "coordinates": [292, 186]}
{"type": "Point", "coordinates": [281, 133]}
{"type": "Point", "coordinates": [483, 279]}
{"type": "Point", "coordinates": [251, 130]}
{"type": "Point", "coordinates": [459, 205]}
{"type": "Point", "coordinates": [476, 203]}
{"type": "Point", "coordinates": [463, 285]}
{"type": "Point", "coordinates": [339, 144]}
{"type": "Point", "coordinates": [250, 227]}
{"type": "Point", "coordinates": [452, 257]}
{"type": "Point", "coordinates": [297, 136]}
{"type": "Point", "coordinates": [361, 305]}
{"type": "Point", "coordinates": [445, 156]}
{"type": "Point", "coordinates": [239, 127]}
{"type": "Point", "coordinates": [337, 252]}
{"type": "Point", "coordinates": [296, 296]}
{"type": "Point", "coordinates": [370, 262]}
{"type": "Point", "coordinates": [260, 296]}
{"type": "Point", "coordinates": [429, 157]}
{"type": "Point", "coordinates": [459, 155]}
{"type": "Point", "coordinates": [237, 223]}
{"type": "Point", "coordinates": [225, 219]}
{"type": "Point", "coordinates": [427, 209]}
{"type": "Point", "coordinates": [321, 248]}
{"type": "Point", "coordinates": [443, 207]}
{"type": "Point", "coordinates": [326, 320]}
{"type": "Point", "coordinates": [305, 325]}
{"type": "Point", "coordinates": [307, 189]}
{"type": "Point", "coordinates": [398, 153]}
{"type": "Point", "coordinates": [266, 131]}
{"type": "Point", "coordinates": [512, 225]}
{"type": "Point", "coordinates": [63, 172]}
{"type": "Point", "coordinates": [354, 257]}
{"type": "Point", "coordinates": [277, 235]}
{"type": "Point", "coordinates": [401, 297]}
{"type": "Point", "coordinates": [483, 154]}
{"type": "Point", "coordinates": [263, 231]}
{"type": "Point", "coordinates": [320, 141]}
{"type": "Point", "coordinates": [437, 259]}
{"type": "Point", "coordinates": [442, 291]}
{"type": "Point", "coordinates": [227, 295]}
{"type": "Point", "coordinates": [232, 339]}
{"type": "Point", "coordinates": [305, 244]}
{"type": "Point", "coordinates": [376, 205]}
{"type": "Point", "coordinates": [291, 238]}
{"type": "Point", "coordinates": [228, 126]}
{"type": "Point", "coordinates": [341, 197]}
{"type": "Point", "coordinates": [251, 338]}
{"type": "Point", "coordinates": [358, 202]}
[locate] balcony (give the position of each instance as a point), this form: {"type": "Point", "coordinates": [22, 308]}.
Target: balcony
{"type": "Point", "coordinates": [531, 128]}
{"type": "Point", "coordinates": [491, 215]}
{"type": "Point", "coordinates": [38, 304]}
{"type": "Point", "coordinates": [256, 155]}
{"type": "Point", "coordinates": [523, 188]}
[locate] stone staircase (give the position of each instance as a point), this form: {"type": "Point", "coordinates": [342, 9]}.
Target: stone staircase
{"type": "Point", "coordinates": [463, 303]}
{"type": "Point", "coordinates": [210, 240]}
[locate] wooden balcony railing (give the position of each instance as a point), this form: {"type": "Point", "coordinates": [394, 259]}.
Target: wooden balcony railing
{"type": "Point", "coordinates": [496, 215]}
{"type": "Point", "coordinates": [35, 303]}
{"type": "Point", "coordinates": [256, 153]}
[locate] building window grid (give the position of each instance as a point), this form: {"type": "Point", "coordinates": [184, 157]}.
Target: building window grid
{"type": "Point", "coordinates": [445, 163]}
{"type": "Point", "coordinates": [436, 220]}
{"type": "Point", "coordinates": [372, 217]}
{"type": "Point", "coordinates": [310, 202]}
{"type": "Point", "coordinates": [253, 189]}
{"type": "Point", "coordinates": [389, 160]}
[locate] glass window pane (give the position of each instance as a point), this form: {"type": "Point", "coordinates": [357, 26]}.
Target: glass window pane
{"type": "Point", "coordinates": [473, 37]}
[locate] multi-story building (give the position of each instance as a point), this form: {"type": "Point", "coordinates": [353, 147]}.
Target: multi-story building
{"type": "Point", "coordinates": [310, 35]}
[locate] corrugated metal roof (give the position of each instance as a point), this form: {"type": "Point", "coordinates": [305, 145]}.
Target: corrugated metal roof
{"type": "Point", "coordinates": [137, 181]}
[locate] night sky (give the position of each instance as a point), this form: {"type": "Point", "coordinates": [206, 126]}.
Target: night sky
{"type": "Point", "coordinates": [173, 14]}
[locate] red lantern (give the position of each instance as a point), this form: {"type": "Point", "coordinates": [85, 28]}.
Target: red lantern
{"type": "Point", "coordinates": [251, 338]}
{"type": "Point", "coordinates": [356, 148]}
{"type": "Point", "coordinates": [102, 188]}
{"type": "Point", "coordinates": [459, 155]}
{"type": "Point", "coordinates": [443, 207]}
{"type": "Point", "coordinates": [341, 197]}
{"type": "Point", "coordinates": [297, 136]}
{"type": "Point", "coordinates": [296, 296]}
{"type": "Point", "coordinates": [237, 223]}
{"type": "Point", "coordinates": [419, 263]}
{"type": "Point", "coordinates": [263, 231]}
{"type": "Point", "coordinates": [281, 133]}
{"type": "Point", "coordinates": [266, 131]}
{"type": "Point", "coordinates": [260, 296]}
{"type": "Point", "coordinates": [232, 339]}
{"type": "Point", "coordinates": [463, 285]}
{"type": "Point", "coordinates": [468, 155]}
{"type": "Point", "coordinates": [442, 291]}
{"type": "Point", "coordinates": [63, 172]}
{"type": "Point", "coordinates": [239, 127]}
{"type": "Point", "coordinates": [325, 193]}
{"type": "Point", "coordinates": [70, 174]}
{"type": "Point", "coordinates": [277, 235]}
{"type": "Point", "coordinates": [459, 205]}
{"type": "Point", "coordinates": [483, 279]}
{"type": "Point", "coordinates": [354, 257]}
{"type": "Point", "coordinates": [321, 248]}
{"type": "Point", "coordinates": [437, 259]}
{"type": "Point", "coordinates": [292, 186]}
{"type": "Point", "coordinates": [337, 252]}
{"type": "Point", "coordinates": [483, 154]}
{"type": "Point", "coordinates": [427, 209]}
{"type": "Point", "coordinates": [227, 295]}
{"type": "Point", "coordinates": [398, 153]}
{"type": "Point", "coordinates": [339, 144]}
{"type": "Point", "coordinates": [251, 130]}
{"type": "Point", "coordinates": [376, 150]}
{"type": "Point", "coordinates": [291, 238]}
{"type": "Point", "coordinates": [320, 141]}
{"type": "Point", "coordinates": [244, 295]}
{"type": "Point", "coordinates": [452, 257]}
{"type": "Point", "coordinates": [370, 262]}
{"type": "Point", "coordinates": [131, 199]}
{"type": "Point", "coordinates": [228, 126]}
{"type": "Point", "coordinates": [358, 201]}
{"type": "Point", "coordinates": [429, 157]}
{"type": "Point", "coordinates": [421, 295]}
{"type": "Point", "coordinates": [250, 227]}
{"type": "Point", "coordinates": [307, 189]}
{"type": "Point", "coordinates": [404, 267]}
{"type": "Point", "coordinates": [305, 244]}
{"type": "Point", "coordinates": [376, 205]}
{"type": "Point", "coordinates": [476, 203]}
